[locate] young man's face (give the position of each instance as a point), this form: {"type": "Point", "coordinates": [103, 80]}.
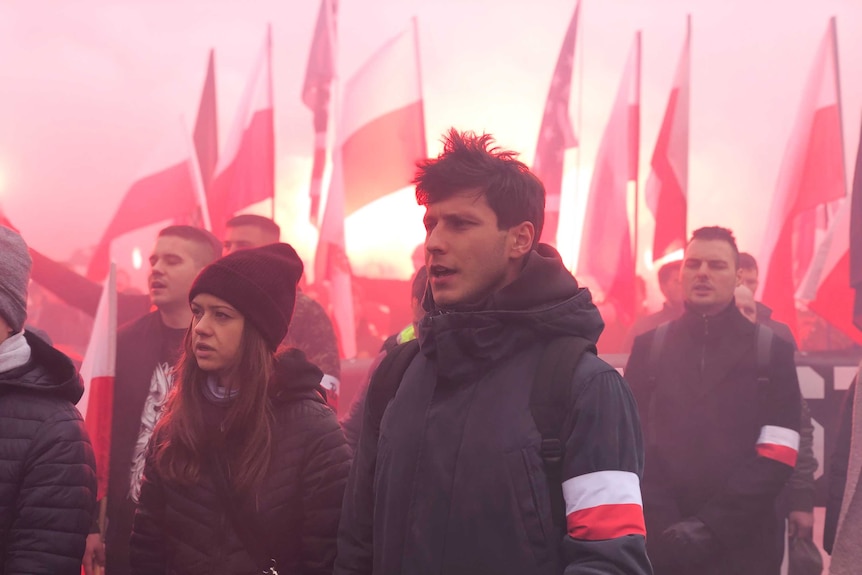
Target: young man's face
{"type": "Point", "coordinates": [244, 238]}
{"type": "Point", "coordinates": [745, 303]}
{"type": "Point", "coordinates": [749, 279]}
{"type": "Point", "coordinates": [709, 275]}
{"type": "Point", "coordinates": [173, 270]}
{"type": "Point", "coordinates": [467, 256]}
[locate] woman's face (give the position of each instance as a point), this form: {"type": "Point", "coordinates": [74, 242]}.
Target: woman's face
{"type": "Point", "coordinates": [216, 333]}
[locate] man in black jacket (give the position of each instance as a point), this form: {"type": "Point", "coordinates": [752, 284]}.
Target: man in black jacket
{"type": "Point", "coordinates": [451, 479]}
{"type": "Point", "coordinates": [721, 424]}
{"type": "Point", "coordinates": [47, 468]}
{"type": "Point", "coordinates": [146, 352]}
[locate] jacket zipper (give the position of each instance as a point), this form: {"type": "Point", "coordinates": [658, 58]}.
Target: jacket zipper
{"type": "Point", "coordinates": [703, 347]}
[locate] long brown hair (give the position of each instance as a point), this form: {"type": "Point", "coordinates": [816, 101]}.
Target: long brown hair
{"type": "Point", "coordinates": [245, 441]}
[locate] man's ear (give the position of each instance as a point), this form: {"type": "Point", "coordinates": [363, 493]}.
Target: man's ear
{"type": "Point", "coordinates": [521, 236]}
{"type": "Point", "coordinates": [738, 276]}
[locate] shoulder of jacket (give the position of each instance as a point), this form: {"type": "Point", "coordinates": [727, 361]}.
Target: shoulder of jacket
{"type": "Point", "coordinates": [138, 326]}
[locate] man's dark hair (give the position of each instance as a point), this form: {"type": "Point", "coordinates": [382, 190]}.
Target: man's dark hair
{"type": "Point", "coordinates": [209, 244]}
{"type": "Point", "coordinates": [471, 162]}
{"type": "Point", "coordinates": [420, 282]}
{"type": "Point", "coordinates": [264, 223]}
{"type": "Point", "coordinates": [747, 261]}
{"type": "Point", "coordinates": [668, 270]}
{"type": "Point", "coordinates": [717, 233]}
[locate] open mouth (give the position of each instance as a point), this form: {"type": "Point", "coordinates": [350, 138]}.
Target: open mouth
{"type": "Point", "coordinates": [437, 271]}
{"type": "Point", "coordinates": [203, 347]}
{"type": "Point", "coordinates": [155, 284]}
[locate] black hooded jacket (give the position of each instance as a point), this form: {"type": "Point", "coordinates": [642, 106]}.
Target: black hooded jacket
{"type": "Point", "coordinates": [47, 468]}
{"type": "Point", "coordinates": [186, 530]}
{"type": "Point", "coordinates": [455, 484]}
{"type": "Point", "coordinates": [719, 432]}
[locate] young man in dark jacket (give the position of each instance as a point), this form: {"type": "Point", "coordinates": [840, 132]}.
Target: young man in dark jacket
{"type": "Point", "coordinates": [146, 352]}
{"type": "Point", "coordinates": [721, 424]}
{"type": "Point", "coordinates": [451, 479]}
{"type": "Point", "coordinates": [47, 468]}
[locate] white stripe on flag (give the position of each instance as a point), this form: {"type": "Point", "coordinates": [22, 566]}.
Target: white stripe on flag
{"type": "Point", "coordinates": [601, 488]}
{"type": "Point", "coordinates": [774, 435]}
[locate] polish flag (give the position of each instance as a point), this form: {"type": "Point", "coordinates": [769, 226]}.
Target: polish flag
{"type": "Point", "coordinates": [168, 190]}
{"type": "Point", "coordinates": [604, 505]}
{"type": "Point", "coordinates": [606, 262]}
{"type": "Point", "coordinates": [206, 126]}
{"type": "Point", "coordinates": [556, 134]}
{"type": "Point", "coordinates": [245, 173]}
{"type": "Point", "coordinates": [667, 185]}
{"type": "Point", "coordinates": [382, 123]}
{"type": "Point", "coordinates": [97, 372]}
{"type": "Point", "coordinates": [316, 93]}
{"type": "Point", "coordinates": [812, 174]}
{"type": "Point", "coordinates": [830, 289]}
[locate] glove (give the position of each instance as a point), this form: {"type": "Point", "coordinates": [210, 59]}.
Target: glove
{"type": "Point", "coordinates": [690, 541]}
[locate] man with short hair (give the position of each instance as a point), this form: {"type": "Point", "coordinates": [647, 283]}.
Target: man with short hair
{"type": "Point", "coordinates": [451, 477]}
{"type": "Point", "coordinates": [147, 350]}
{"type": "Point", "coordinates": [749, 277]}
{"type": "Point", "coordinates": [672, 308]}
{"type": "Point", "coordinates": [719, 402]}
{"type": "Point", "coordinates": [310, 330]}
{"type": "Point", "coordinates": [47, 468]}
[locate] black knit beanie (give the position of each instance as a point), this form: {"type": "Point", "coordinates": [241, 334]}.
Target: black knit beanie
{"type": "Point", "coordinates": [260, 283]}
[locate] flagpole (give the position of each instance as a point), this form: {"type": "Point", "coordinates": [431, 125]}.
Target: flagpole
{"type": "Point", "coordinates": [687, 124]}
{"type": "Point", "coordinates": [272, 100]}
{"type": "Point", "coordinates": [415, 23]}
{"type": "Point", "coordinates": [833, 24]}
{"type": "Point", "coordinates": [637, 167]}
{"type": "Point", "coordinates": [580, 53]}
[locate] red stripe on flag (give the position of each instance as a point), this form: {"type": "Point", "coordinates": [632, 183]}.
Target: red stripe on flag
{"type": "Point", "coordinates": [98, 424]}
{"type": "Point", "coordinates": [606, 522]}
{"type": "Point", "coordinates": [779, 453]}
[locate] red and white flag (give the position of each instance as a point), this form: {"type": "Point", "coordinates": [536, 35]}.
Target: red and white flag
{"type": "Point", "coordinates": [812, 174]}
{"type": "Point", "coordinates": [169, 189]}
{"type": "Point", "coordinates": [606, 263]}
{"type": "Point", "coordinates": [316, 94]}
{"type": "Point", "coordinates": [246, 169]}
{"type": "Point", "coordinates": [381, 130]}
{"type": "Point", "coordinates": [206, 126]}
{"type": "Point", "coordinates": [556, 134]}
{"type": "Point", "coordinates": [667, 185]}
{"type": "Point", "coordinates": [97, 372]}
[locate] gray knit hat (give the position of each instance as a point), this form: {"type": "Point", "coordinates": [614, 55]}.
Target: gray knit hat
{"type": "Point", "coordinates": [14, 275]}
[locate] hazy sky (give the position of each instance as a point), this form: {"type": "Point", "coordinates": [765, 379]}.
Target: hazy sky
{"type": "Point", "coordinates": [89, 87]}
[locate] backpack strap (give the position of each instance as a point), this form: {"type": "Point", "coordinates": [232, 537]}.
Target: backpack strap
{"type": "Point", "coordinates": [764, 352]}
{"type": "Point", "coordinates": [387, 378]}
{"type": "Point", "coordinates": [550, 398]}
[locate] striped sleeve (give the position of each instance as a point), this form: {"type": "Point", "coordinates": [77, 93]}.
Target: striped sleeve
{"type": "Point", "coordinates": [778, 443]}
{"type": "Point", "coordinates": [603, 505]}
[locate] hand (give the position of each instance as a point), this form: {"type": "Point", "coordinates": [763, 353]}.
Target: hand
{"type": "Point", "coordinates": [800, 524]}
{"type": "Point", "coordinates": [94, 554]}
{"type": "Point", "coordinates": [691, 541]}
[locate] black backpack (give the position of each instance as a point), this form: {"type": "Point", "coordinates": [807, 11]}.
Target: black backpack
{"type": "Point", "coordinates": [550, 396]}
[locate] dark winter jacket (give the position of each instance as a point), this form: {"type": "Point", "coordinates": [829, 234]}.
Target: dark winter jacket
{"type": "Point", "coordinates": [185, 530]}
{"type": "Point", "coordinates": [720, 443]}
{"type": "Point", "coordinates": [455, 484]}
{"type": "Point", "coordinates": [47, 469]}
{"type": "Point", "coordinates": [838, 465]}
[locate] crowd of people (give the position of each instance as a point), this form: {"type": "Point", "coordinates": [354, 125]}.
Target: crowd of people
{"type": "Point", "coordinates": [490, 436]}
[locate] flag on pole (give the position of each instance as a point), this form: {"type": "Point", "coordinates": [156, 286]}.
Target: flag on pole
{"type": "Point", "coordinates": [382, 123]}
{"type": "Point", "coordinates": [97, 372]}
{"type": "Point", "coordinates": [812, 174]}
{"type": "Point", "coordinates": [556, 134]}
{"type": "Point", "coordinates": [167, 191]}
{"type": "Point", "coordinates": [245, 173]}
{"type": "Point", "coordinates": [855, 239]}
{"type": "Point", "coordinates": [316, 90]}
{"type": "Point", "coordinates": [667, 185]}
{"type": "Point", "coordinates": [606, 263]}
{"type": "Point", "coordinates": [206, 127]}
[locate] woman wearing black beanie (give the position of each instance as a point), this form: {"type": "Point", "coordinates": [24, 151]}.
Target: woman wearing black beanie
{"type": "Point", "coordinates": [247, 466]}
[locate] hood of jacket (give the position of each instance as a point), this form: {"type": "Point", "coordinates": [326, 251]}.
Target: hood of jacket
{"type": "Point", "coordinates": [542, 303]}
{"type": "Point", "coordinates": [49, 372]}
{"type": "Point", "coordinates": [296, 378]}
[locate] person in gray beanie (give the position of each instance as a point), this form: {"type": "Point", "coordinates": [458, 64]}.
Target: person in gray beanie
{"type": "Point", "coordinates": [15, 265]}
{"type": "Point", "coordinates": [47, 500]}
